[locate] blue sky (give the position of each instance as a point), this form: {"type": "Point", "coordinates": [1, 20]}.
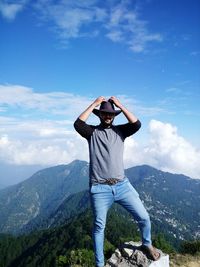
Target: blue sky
{"type": "Point", "coordinates": [58, 56]}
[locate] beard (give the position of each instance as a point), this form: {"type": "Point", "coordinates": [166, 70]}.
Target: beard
{"type": "Point", "coordinates": [106, 122]}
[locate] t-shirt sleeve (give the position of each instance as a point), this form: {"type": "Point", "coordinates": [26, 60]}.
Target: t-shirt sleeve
{"type": "Point", "coordinates": [129, 128]}
{"type": "Point", "coordinates": [83, 128]}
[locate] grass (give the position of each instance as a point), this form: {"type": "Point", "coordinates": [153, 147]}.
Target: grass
{"type": "Point", "coordinates": [185, 260]}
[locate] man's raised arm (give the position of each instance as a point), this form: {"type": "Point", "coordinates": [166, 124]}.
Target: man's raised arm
{"type": "Point", "coordinates": [80, 125]}
{"type": "Point", "coordinates": [130, 116]}
{"type": "Point", "coordinates": [84, 116]}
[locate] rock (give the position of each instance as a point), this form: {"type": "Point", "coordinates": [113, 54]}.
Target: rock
{"type": "Point", "coordinates": [130, 255]}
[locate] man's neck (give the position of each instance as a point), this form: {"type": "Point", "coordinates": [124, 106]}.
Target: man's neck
{"type": "Point", "coordinates": [103, 125]}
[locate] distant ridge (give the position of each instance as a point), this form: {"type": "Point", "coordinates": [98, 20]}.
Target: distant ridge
{"type": "Point", "coordinates": [55, 195]}
{"type": "Point", "coordinates": [37, 197]}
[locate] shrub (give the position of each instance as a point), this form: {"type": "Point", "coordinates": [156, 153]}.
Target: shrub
{"type": "Point", "coordinates": [190, 247]}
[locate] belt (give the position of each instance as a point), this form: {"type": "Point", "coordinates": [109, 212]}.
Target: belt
{"type": "Point", "coordinates": [110, 181]}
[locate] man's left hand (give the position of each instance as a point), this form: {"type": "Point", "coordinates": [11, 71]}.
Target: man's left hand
{"type": "Point", "coordinates": [116, 102]}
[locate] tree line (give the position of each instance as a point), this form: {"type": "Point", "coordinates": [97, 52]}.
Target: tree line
{"type": "Point", "coordinates": [71, 244]}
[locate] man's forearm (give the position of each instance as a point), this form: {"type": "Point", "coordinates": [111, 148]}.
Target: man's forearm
{"type": "Point", "coordinates": [129, 115]}
{"type": "Point", "coordinates": [84, 116]}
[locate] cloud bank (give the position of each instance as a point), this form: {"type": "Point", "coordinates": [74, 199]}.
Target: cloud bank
{"type": "Point", "coordinates": [57, 103]}
{"type": "Point", "coordinates": [37, 128]}
{"type": "Point", "coordinates": [119, 21]}
{"type": "Point", "coordinates": [165, 150]}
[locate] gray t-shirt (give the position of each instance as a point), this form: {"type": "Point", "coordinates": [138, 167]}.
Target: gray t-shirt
{"type": "Point", "coordinates": [106, 146]}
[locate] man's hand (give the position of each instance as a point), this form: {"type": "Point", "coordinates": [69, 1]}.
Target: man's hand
{"type": "Point", "coordinates": [99, 100]}
{"type": "Point", "coordinates": [130, 116]}
{"type": "Point", "coordinates": [116, 102]}
{"type": "Point", "coordinates": [84, 116]}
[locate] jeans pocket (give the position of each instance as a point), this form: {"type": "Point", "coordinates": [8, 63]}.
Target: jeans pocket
{"type": "Point", "coordinates": [94, 189]}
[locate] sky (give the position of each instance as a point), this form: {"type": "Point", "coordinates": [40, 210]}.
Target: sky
{"type": "Point", "coordinates": [57, 57]}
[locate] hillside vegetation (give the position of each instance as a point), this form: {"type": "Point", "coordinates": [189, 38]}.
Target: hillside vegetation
{"type": "Point", "coordinates": [71, 244]}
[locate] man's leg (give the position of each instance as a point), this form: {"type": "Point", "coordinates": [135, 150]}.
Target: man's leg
{"type": "Point", "coordinates": [101, 200]}
{"type": "Point", "coordinates": [128, 197]}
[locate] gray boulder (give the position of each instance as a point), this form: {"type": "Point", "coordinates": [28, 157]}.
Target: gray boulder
{"type": "Point", "coordinates": [131, 255]}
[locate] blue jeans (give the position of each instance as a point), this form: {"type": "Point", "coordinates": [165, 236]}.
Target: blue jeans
{"type": "Point", "coordinates": [102, 197]}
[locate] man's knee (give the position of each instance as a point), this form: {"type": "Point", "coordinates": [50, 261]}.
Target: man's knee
{"type": "Point", "coordinates": [145, 220]}
{"type": "Point", "coordinates": [99, 225]}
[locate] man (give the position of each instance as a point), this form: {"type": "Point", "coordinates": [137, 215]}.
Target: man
{"type": "Point", "coordinates": [108, 183]}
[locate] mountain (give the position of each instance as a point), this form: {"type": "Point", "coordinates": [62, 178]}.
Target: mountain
{"type": "Point", "coordinates": [172, 200]}
{"type": "Point", "coordinates": [14, 174]}
{"type": "Point", "coordinates": [55, 195]}
{"type": "Point", "coordinates": [2, 186]}
{"type": "Point", "coordinates": [40, 195]}
{"type": "Point", "coordinates": [72, 206]}
{"type": "Point", "coordinates": [71, 242]}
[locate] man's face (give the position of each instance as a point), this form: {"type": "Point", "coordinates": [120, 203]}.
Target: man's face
{"type": "Point", "coordinates": [107, 118]}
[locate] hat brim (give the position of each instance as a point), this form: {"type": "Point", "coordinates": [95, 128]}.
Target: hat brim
{"type": "Point", "coordinates": [97, 112]}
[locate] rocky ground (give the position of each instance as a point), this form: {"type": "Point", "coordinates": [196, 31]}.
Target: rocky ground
{"type": "Point", "coordinates": [130, 255]}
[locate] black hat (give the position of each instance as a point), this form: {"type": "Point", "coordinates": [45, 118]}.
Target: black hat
{"type": "Point", "coordinates": [107, 106]}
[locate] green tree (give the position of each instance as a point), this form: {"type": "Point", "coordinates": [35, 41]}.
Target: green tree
{"type": "Point", "coordinates": [78, 257]}
{"type": "Point", "coordinates": [160, 242]}
{"type": "Point", "coordinates": [190, 247]}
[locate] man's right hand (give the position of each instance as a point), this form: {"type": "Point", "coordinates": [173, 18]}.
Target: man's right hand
{"type": "Point", "coordinates": [84, 116]}
{"type": "Point", "coordinates": [99, 100]}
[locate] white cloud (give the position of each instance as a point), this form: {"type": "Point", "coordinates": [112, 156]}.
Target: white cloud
{"type": "Point", "coordinates": [25, 99]}
{"type": "Point", "coordinates": [2, 109]}
{"type": "Point", "coordinates": [141, 109]}
{"type": "Point", "coordinates": [116, 35]}
{"type": "Point", "coordinates": [51, 151]}
{"type": "Point", "coordinates": [173, 90]}
{"type": "Point", "coordinates": [26, 129]}
{"type": "Point", "coordinates": [55, 103]}
{"type": "Point", "coordinates": [28, 137]}
{"type": "Point", "coordinates": [125, 26]}
{"type": "Point", "coordinates": [118, 21]}
{"type": "Point", "coordinates": [195, 53]}
{"type": "Point", "coordinates": [71, 18]}
{"type": "Point", "coordinates": [36, 135]}
{"type": "Point", "coordinates": [10, 10]}
{"type": "Point", "coordinates": [51, 145]}
{"type": "Point", "coordinates": [165, 150]}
